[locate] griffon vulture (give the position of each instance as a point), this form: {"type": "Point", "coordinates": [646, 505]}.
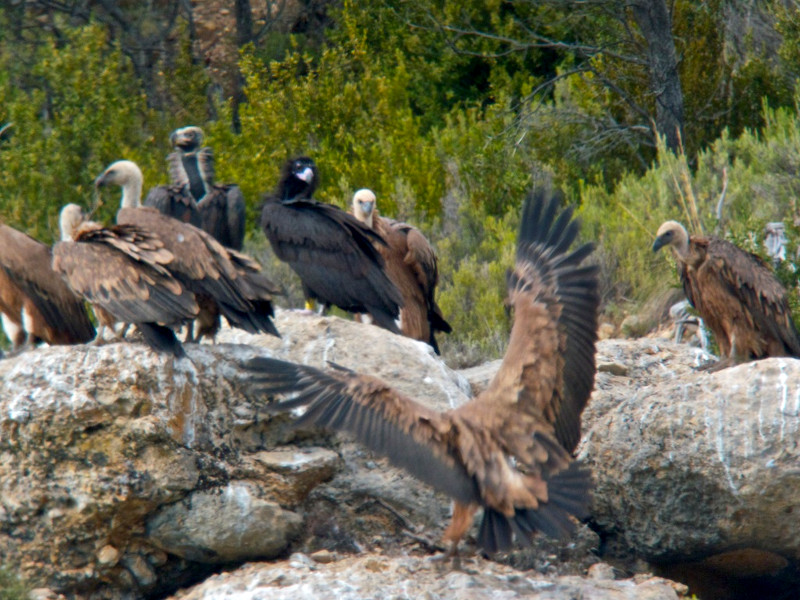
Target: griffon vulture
{"type": "Point", "coordinates": [735, 293]}
{"type": "Point", "coordinates": [194, 197]}
{"type": "Point", "coordinates": [509, 450]}
{"type": "Point", "coordinates": [411, 265]}
{"type": "Point", "coordinates": [35, 302]}
{"type": "Point", "coordinates": [330, 250]}
{"type": "Point", "coordinates": [122, 272]}
{"type": "Point", "coordinates": [224, 280]}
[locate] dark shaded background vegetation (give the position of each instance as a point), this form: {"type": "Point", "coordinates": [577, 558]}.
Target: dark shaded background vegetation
{"type": "Point", "coordinates": [450, 111]}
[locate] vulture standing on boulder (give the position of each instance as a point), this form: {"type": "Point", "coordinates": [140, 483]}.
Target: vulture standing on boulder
{"type": "Point", "coordinates": [331, 250]}
{"type": "Point", "coordinates": [193, 197]}
{"type": "Point", "coordinates": [35, 302]}
{"type": "Point", "coordinates": [735, 293]}
{"type": "Point", "coordinates": [122, 272]}
{"type": "Point", "coordinates": [509, 450]}
{"type": "Point", "coordinates": [411, 265]}
{"type": "Point", "coordinates": [224, 280]}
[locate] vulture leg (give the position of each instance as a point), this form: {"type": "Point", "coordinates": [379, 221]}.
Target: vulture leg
{"type": "Point", "coordinates": [460, 523]}
{"type": "Point", "coordinates": [124, 331]}
{"type": "Point", "coordinates": [14, 332]}
{"type": "Point", "coordinates": [189, 333]}
{"type": "Point", "coordinates": [99, 339]}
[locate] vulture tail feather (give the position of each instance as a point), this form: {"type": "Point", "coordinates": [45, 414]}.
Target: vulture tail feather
{"type": "Point", "coordinates": [161, 338]}
{"type": "Point", "coordinates": [568, 493]}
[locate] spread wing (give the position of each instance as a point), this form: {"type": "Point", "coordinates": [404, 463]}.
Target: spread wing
{"type": "Point", "coordinates": [120, 272]}
{"type": "Point", "coordinates": [752, 283]}
{"type": "Point", "coordinates": [333, 254]}
{"type": "Point", "coordinates": [410, 435]}
{"type": "Point", "coordinates": [549, 366]}
{"type": "Point", "coordinates": [176, 202]}
{"type": "Point", "coordinates": [27, 262]}
{"type": "Point", "coordinates": [223, 215]}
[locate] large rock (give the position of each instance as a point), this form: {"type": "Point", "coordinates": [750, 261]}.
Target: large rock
{"type": "Point", "coordinates": [125, 472]}
{"type": "Point", "coordinates": [690, 465]}
{"type": "Point", "coordinates": [375, 576]}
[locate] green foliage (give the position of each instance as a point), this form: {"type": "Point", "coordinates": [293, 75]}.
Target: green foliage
{"type": "Point", "coordinates": [11, 586]}
{"type": "Point", "coordinates": [354, 121]}
{"type": "Point", "coordinates": [86, 110]}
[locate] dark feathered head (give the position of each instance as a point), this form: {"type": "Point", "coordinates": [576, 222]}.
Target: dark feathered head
{"type": "Point", "coordinates": [187, 139]}
{"type": "Point", "coordinates": [298, 179]}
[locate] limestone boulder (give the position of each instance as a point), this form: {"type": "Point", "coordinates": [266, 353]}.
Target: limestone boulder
{"type": "Point", "coordinates": [373, 575]}
{"type": "Point", "coordinates": [126, 473]}
{"type": "Point", "coordinates": [690, 465]}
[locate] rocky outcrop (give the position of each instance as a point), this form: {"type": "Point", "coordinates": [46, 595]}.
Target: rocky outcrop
{"type": "Point", "coordinates": [365, 577]}
{"type": "Point", "coordinates": [695, 467]}
{"type": "Point", "coordinates": [125, 472]}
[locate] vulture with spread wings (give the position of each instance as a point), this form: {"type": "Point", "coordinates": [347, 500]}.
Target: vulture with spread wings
{"type": "Point", "coordinates": [330, 250]}
{"type": "Point", "coordinates": [509, 450]}
{"type": "Point", "coordinates": [36, 303]}
{"type": "Point", "coordinates": [412, 266]}
{"type": "Point", "coordinates": [224, 280]}
{"type": "Point", "coordinates": [735, 293]}
{"type": "Point", "coordinates": [121, 271]}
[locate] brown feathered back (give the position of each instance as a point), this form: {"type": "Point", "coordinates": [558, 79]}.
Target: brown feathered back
{"type": "Point", "coordinates": [58, 316]}
{"type": "Point", "coordinates": [122, 269]}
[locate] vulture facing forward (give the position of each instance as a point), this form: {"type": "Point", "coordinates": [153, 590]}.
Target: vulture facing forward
{"type": "Point", "coordinates": [121, 271]}
{"type": "Point", "coordinates": [411, 265]}
{"type": "Point", "coordinates": [330, 250]}
{"type": "Point", "coordinates": [35, 302]}
{"type": "Point", "coordinates": [224, 280]}
{"type": "Point", "coordinates": [735, 293]}
{"type": "Point", "coordinates": [509, 450]}
{"type": "Point", "coordinates": [193, 196]}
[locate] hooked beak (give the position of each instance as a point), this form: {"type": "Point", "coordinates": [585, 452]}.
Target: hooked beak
{"type": "Point", "coordinates": [658, 244]}
{"type": "Point", "coordinates": [306, 175]}
{"type": "Point", "coordinates": [367, 206]}
{"type": "Point", "coordinates": [101, 180]}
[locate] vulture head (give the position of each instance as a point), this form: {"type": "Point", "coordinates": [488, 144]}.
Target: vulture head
{"type": "Point", "coordinates": [672, 233]}
{"type": "Point", "coordinates": [69, 221]}
{"type": "Point", "coordinates": [128, 176]}
{"type": "Point", "coordinates": [298, 179]}
{"type": "Point", "coordinates": [364, 206]}
{"type": "Point", "coordinates": [187, 139]}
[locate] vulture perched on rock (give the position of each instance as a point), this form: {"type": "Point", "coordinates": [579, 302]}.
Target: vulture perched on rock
{"type": "Point", "coordinates": [194, 197]}
{"type": "Point", "coordinates": [224, 280]}
{"type": "Point", "coordinates": [735, 293]}
{"type": "Point", "coordinates": [122, 272]}
{"type": "Point", "coordinates": [411, 265]}
{"type": "Point", "coordinates": [509, 450]}
{"type": "Point", "coordinates": [333, 252]}
{"type": "Point", "coordinates": [35, 302]}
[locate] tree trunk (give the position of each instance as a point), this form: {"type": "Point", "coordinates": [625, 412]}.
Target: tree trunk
{"type": "Point", "coordinates": [655, 23]}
